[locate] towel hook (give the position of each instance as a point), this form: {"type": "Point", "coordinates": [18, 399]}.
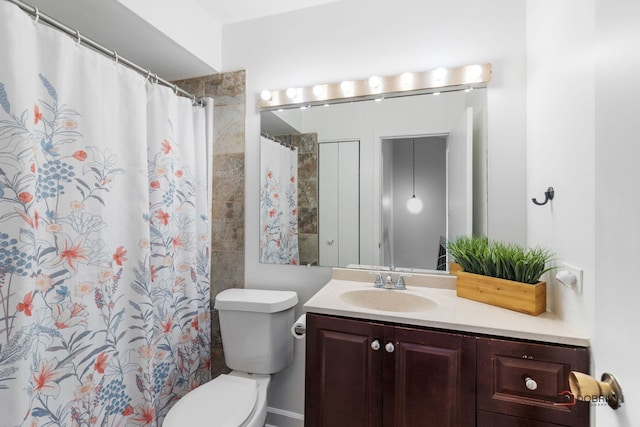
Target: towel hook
{"type": "Point", "coordinates": [548, 195]}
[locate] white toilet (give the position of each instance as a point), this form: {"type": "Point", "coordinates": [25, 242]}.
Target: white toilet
{"type": "Point", "coordinates": [255, 326]}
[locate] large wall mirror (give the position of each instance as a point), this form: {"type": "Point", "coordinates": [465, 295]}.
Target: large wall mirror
{"type": "Point", "coordinates": [339, 181]}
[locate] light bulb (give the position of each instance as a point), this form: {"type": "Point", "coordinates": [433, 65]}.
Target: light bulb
{"type": "Point", "coordinates": [265, 95]}
{"type": "Point", "coordinates": [319, 90]}
{"type": "Point", "coordinates": [346, 86]}
{"type": "Point", "coordinates": [374, 82]}
{"type": "Point", "coordinates": [473, 73]}
{"type": "Point", "coordinates": [406, 80]}
{"type": "Point", "coordinates": [292, 93]}
{"type": "Point", "coordinates": [414, 205]}
{"type": "Point", "coordinates": [440, 74]}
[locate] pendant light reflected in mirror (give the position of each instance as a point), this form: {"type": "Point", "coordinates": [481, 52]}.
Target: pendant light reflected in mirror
{"type": "Point", "coordinates": [414, 204]}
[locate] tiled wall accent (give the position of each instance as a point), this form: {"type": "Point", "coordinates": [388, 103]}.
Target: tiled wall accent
{"type": "Point", "coordinates": [307, 196]}
{"type": "Point", "coordinates": [227, 216]}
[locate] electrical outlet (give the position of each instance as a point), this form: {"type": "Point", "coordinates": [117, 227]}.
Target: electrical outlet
{"type": "Point", "coordinates": [569, 276]}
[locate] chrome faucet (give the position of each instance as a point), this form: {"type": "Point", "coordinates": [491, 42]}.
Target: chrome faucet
{"type": "Point", "coordinates": [387, 283]}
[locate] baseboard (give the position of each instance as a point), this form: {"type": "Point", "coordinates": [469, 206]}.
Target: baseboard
{"type": "Point", "coordinates": [281, 418]}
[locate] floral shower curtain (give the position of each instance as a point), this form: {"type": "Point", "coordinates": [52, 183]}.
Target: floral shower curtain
{"type": "Point", "coordinates": [104, 236]}
{"type": "Point", "coordinates": [278, 203]}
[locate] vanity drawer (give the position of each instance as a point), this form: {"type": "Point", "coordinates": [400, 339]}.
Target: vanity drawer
{"type": "Point", "coordinates": [527, 380]}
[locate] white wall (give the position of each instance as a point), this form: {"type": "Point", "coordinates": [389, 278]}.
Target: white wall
{"type": "Point", "coordinates": [560, 144]}
{"type": "Point", "coordinates": [358, 38]}
{"type": "Point", "coordinates": [582, 133]}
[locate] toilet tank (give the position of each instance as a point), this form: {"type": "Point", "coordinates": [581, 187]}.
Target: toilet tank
{"type": "Point", "coordinates": [255, 325]}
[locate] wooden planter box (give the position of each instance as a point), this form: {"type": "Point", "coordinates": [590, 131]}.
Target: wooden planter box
{"type": "Point", "coordinates": [522, 297]}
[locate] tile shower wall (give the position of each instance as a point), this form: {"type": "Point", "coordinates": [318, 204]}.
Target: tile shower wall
{"type": "Point", "coordinates": [307, 144]}
{"type": "Point", "coordinates": [227, 216]}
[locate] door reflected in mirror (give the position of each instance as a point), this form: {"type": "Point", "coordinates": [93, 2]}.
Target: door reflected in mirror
{"type": "Point", "coordinates": [355, 175]}
{"type": "Point", "coordinates": [414, 200]}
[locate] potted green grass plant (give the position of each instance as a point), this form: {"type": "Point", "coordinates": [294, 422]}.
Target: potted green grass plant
{"type": "Point", "coordinates": [501, 274]}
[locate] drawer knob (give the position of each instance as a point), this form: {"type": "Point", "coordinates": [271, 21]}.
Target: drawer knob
{"type": "Point", "coordinates": [389, 347]}
{"type": "Point", "coordinates": [530, 383]}
{"type": "Point", "coordinates": [375, 345]}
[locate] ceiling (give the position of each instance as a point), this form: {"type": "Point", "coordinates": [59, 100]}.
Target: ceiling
{"type": "Point", "coordinates": [230, 11]}
{"type": "Point", "coordinates": [113, 24]}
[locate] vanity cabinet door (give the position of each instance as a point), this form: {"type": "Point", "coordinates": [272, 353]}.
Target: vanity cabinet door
{"type": "Point", "coordinates": [343, 372]}
{"type": "Point", "coordinates": [361, 373]}
{"type": "Point", "coordinates": [430, 380]}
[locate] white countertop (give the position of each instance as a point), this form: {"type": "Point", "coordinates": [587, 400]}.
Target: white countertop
{"type": "Point", "coordinates": [453, 313]}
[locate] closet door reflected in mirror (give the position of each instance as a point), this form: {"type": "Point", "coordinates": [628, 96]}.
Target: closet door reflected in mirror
{"type": "Point", "coordinates": [338, 210]}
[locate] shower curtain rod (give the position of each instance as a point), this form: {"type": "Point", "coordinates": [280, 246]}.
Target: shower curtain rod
{"type": "Point", "coordinates": [274, 139]}
{"type": "Point", "coordinates": [103, 50]}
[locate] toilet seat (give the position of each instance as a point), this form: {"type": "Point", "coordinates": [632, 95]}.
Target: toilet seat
{"type": "Point", "coordinates": [226, 401]}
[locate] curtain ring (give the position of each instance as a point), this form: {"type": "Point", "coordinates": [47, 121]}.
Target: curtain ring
{"type": "Point", "coordinates": [148, 74]}
{"type": "Point", "coordinates": [115, 56]}
{"type": "Point", "coordinates": [155, 78]}
{"type": "Point", "coordinates": [79, 37]}
{"type": "Point", "coordinates": [175, 90]}
{"type": "Point", "coordinates": [37, 16]}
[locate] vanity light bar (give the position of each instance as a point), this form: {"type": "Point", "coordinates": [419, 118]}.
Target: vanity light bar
{"type": "Point", "coordinates": [378, 87]}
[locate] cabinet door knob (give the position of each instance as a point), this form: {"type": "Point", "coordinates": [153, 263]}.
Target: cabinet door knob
{"type": "Point", "coordinates": [375, 345]}
{"type": "Point", "coordinates": [530, 383]}
{"type": "Point", "coordinates": [389, 347]}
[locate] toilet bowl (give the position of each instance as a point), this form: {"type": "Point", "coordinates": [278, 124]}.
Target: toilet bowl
{"type": "Point", "coordinates": [236, 399]}
{"type": "Point", "coordinates": [255, 328]}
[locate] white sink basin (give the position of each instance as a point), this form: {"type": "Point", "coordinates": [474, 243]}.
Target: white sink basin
{"type": "Point", "coordinates": [388, 300]}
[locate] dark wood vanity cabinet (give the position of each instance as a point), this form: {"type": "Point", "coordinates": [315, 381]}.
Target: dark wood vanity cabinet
{"type": "Point", "coordinates": [367, 373]}
{"type": "Point", "coordinates": [361, 373]}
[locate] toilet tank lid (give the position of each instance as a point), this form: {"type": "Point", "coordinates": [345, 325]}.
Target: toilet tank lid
{"type": "Point", "coordinates": [256, 300]}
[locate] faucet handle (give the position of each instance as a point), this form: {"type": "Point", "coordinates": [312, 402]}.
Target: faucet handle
{"type": "Point", "coordinates": [400, 281]}
{"type": "Point", "coordinates": [378, 283]}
